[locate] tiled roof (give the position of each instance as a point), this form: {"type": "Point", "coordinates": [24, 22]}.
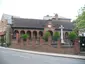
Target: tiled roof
{"type": "Point", "coordinates": [38, 23]}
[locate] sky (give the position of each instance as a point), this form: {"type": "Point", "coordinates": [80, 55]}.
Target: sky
{"type": "Point", "coordinates": [38, 8]}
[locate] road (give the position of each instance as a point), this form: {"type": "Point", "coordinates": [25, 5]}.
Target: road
{"type": "Point", "coordinates": [14, 57]}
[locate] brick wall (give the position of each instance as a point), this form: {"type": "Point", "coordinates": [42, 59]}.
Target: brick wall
{"type": "Point", "coordinates": [41, 46]}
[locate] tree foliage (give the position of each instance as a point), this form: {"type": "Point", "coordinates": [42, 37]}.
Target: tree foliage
{"type": "Point", "coordinates": [7, 35]}
{"type": "Point", "coordinates": [56, 36]}
{"type": "Point", "coordinates": [72, 36]}
{"type": "Point", "coordinates": [80, 20]}
{"type": "Point", "coordinates": [2, 41]}
{"type": "Point", "coordinates": [46, 36]}
{"type": "Point", "coordinates": [24, 36]}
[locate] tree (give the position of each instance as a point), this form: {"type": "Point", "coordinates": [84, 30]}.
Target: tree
{"type": "Point", "coordinates": [80, 20]}
{"type": "Point", "coordinates": [46, 36]}
{"type": "Point", "coordinates": [72, 36]}
{"type": "Point", "coordinates": [24, 36]}
{"type": "Point", "coordinates": [7, 35]}
{"type": "Point", "coordinates": [56, 36]}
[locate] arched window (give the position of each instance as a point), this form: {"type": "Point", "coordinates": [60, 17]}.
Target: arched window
{"type": "Point", "coordinates": [29, 34]}
{"type": "Point", "coordinates": [40, 33]}
{"type": "Point", "coordinates": [14, 34]}
{"type": "Point", "coordinates": [35, 34]}
{"type": "Point", "coordinates": [22, 32]}
{"type": "Point", "coordinates": [66, 35]}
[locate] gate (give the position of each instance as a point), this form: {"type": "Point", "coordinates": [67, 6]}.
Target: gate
{"type": "Point", "coordinates": [82, 43]}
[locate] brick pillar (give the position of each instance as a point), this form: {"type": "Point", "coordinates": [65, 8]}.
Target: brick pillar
{"type": "Point", "coordinates": [17, 37]}
{"type": "Point", "coordinates": [76, 47]}
{"type": "Point", "coordinates": [27, 42]}
{"type": "Point", "coordinates": [21, 40]}
{"type": "Point", "coordinates": [37, 34]}
{"type": "Point", "coordinates": [22, 43]}
{"type": "Point", "coordinates": [33, 43]}
{"type": "Point", "coordinates": [49, 41]}
{"type": "Point", "coordinates": [59, 44]}
{"type": "Point", "coordinates": [41, 41]}
{"type": "Point", "coordinates": [31, 34]}
{"type": "Point", "coordinates": [38, 37]}
{"type": "Point", "coordinates": [25, 31]}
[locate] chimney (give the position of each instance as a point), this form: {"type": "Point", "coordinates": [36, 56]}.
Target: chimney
{"type": "Point", "coordinates": [56, 16]}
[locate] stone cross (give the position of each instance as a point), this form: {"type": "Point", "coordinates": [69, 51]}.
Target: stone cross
{"type": "Point", "coordinates": [61, 27]}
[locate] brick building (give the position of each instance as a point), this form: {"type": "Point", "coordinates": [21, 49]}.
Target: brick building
{"type": "Point", "coordinates": [37, 27]}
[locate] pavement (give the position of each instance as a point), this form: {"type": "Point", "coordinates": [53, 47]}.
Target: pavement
{"type": "Point", "coordinates": [17, 56]}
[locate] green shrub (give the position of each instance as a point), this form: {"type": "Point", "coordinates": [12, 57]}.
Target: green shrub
{"type": "Point", "coordinates": [56, 36]}
{"type": "Point", "coordinates": [72, 36]}
{"type": "Point", "coordinates": [24, 36]}
{"type": "Point", "coordinates": [2, 41]}
{"type": "Point", "coordinates": [46, 36]}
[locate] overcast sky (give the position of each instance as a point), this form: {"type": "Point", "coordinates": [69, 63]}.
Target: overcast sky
{"type": "Point", "coordinates": [39, 8]}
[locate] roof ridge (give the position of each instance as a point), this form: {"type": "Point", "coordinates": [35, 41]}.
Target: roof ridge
{"type": "Point", "coordinates": [27, 18]}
